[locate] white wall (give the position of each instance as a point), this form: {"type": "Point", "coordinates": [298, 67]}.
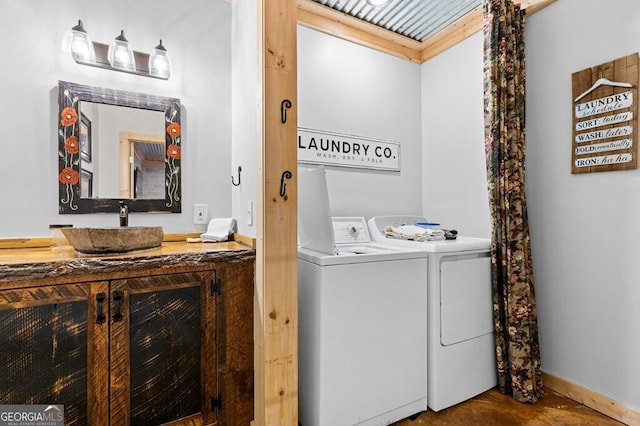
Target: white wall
{"type": "Point", "coordinates": [246, 112]}
{"type": "Point", "coordinates": [342, 87]}
{"type": "Point", "coordinates": [584, 228]}
{"type": "Point", "coordinates": [197, 36]}
{"type": "Point", "coordinates": [347, 88]}
{"type": "Point", "coordinates": [454, 187]}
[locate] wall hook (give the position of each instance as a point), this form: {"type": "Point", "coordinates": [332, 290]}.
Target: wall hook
{"type": "Point", "coordinates": [283, 110]}
{"type": "Point", "coordinates": [283, 186]}
{"type": "Point", "coordinates": [233, 182]}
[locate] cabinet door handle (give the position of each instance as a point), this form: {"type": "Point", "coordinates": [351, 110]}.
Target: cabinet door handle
{"type": "Point", "coordinates": [100, 317]}
{"type": "Point", "coordinates": [117, 299]}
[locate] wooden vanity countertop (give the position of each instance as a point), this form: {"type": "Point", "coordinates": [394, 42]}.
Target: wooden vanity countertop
{"type": "Point", "coordinates": [31, 266]}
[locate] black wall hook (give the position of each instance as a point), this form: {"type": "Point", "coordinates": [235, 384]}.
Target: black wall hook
{"type": "Point", "coordinates": [233, 182]}
{"type": "Point", "coordinates": [283, 110]}
{"type": "Point", "coordinates": [283, 186]}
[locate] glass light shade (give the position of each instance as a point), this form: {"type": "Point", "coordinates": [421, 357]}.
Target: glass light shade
{"type": "Point", "coordinates": [81, 46]}
{"type": "Point", "coordinates": [376, 2]}
{"type": "Point", "coordinates": [120, 54]}
{"type": "Point", "coordinates": [159, 63]}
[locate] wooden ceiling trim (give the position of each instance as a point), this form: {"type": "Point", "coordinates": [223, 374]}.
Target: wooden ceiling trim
{"type": "Point", "coordinates": [322, 18]}
{"type": "Point", "coordinates": [453, 34]}
{"type": "Point", "coordinates": [468, 25]}
{"type": "Point", "coordinates": [339, 24]}
{"type": "Point", "coordinates": [534, 6]}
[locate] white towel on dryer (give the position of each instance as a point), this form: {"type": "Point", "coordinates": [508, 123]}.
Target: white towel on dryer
{"type": "Point", "coordinates": [413, 232]}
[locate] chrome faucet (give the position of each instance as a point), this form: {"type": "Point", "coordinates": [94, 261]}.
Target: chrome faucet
{"type": "Point", "coordinates": [124, 214]}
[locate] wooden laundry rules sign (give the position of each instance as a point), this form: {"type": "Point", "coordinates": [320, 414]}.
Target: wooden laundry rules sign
{"type": "Point", "coordinates": [605, 117]}
{"type": "Point", "coordinates": [336, 149]}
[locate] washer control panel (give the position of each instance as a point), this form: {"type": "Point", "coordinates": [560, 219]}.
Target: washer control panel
{"type": "Point", "coordinates": [349, 230]}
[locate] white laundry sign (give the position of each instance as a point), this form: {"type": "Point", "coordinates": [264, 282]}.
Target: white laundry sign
{"type": "Point", "coordinates": [603, 160]}
{"type": "Point", "coordinates": [606, 104]}
{"type": "Point", "coordinates": [335, 149]}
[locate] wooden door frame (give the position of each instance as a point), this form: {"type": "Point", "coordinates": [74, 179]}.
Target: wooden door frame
{"type": "Point", "coordinates": [276, 314]}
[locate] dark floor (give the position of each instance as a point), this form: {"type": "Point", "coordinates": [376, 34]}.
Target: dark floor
{"type": "Point", "coordinates": [495, 409]}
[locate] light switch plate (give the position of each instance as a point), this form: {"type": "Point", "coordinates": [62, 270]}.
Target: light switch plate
{"type": "Point", "coordinates": [200, 214]}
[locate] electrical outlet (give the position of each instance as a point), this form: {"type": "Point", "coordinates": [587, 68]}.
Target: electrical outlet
{"type": "Point", "coordinates": [200, 214]}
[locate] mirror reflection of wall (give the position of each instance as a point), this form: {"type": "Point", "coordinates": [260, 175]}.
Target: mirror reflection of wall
{"type": "Point", "coordinates": [114, 156]}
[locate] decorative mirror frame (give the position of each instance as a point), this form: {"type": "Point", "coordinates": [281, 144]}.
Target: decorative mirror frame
{"type": "Point", "coordinates": [69, 94]}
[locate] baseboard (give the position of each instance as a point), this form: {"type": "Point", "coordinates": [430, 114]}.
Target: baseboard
{"type": "Point", "coordinates": [591, 399]}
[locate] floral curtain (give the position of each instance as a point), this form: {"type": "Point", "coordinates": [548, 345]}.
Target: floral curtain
{"type": "Point", "coordinates": [514, 305]}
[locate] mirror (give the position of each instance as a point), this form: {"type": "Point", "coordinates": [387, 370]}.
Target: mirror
{"type": "Point", "coordinates": [115, 145]}
{"type": "Point", "coordinates": [122, 150]}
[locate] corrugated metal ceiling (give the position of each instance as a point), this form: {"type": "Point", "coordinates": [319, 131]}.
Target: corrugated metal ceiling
{"type": "Point", "coordinates": [415, 19]}
{"type": "Point", "coordinates": [150, 151]}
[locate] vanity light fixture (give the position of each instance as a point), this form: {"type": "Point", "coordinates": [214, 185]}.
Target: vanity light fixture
{"type": "Point", "coordinates": [118, 56]}
{"type": "Point", "coordinates": [81, 46]}
{"type": "Point", "coordinates": [159, 64]}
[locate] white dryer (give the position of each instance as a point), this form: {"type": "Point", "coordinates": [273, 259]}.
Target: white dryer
{"type": "Point", "coordinates": [361, 319]}
{"type": "Point", "coordinates": [461, 349]}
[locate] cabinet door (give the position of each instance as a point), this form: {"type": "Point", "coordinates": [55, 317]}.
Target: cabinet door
{"type": "Point", "coordinates": [235, 342]}
{"type": "Point", "coordinates": [163, 350]}
{"type": "Point", "coordinates": [54, 349]}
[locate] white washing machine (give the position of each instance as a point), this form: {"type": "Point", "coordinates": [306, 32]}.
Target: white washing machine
{"type": "Point", "coordinates": [461, 349]}
{"type": "Point", "coordinates": [361, 319]}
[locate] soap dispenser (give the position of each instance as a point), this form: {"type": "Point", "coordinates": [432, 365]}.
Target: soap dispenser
{"type": "Point", "coordinates": [124, 214]}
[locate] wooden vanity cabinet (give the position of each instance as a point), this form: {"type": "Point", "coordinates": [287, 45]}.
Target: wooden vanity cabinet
{"type": "Point", "coordinates": [163, 349]}
{"type": "Point", "coordinates": [138, 350]}
{"type": "Point", "coordinates": [51, 349]}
